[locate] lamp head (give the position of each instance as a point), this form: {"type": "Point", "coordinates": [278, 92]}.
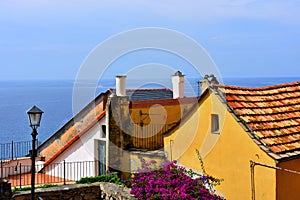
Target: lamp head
{"type": "Point", "coordinates": [35, 115]}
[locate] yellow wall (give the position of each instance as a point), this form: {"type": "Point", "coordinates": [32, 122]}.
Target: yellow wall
{"type": "Point", "coordinates": [137, 156]}
{"type": "Point", "coordinates": [226, 155]}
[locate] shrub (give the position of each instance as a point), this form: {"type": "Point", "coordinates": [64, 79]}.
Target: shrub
{"type": "Point", "coordinates": [111, 178]}
{"type": "Point", "coordinates": [169, 181]}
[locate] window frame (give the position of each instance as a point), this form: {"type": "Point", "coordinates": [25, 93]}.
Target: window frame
{"type": "Point", "coordinates": [215, 124]}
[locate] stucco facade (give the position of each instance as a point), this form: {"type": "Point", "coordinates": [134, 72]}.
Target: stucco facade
{"type": "Point", "coordinates": [82, 153]}
{"type": "Point", "coordinates": [254, 146]}
{"type": "Point", "coordinates": [226, 155]}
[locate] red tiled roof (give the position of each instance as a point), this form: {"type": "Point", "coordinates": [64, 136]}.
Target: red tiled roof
{"type": "Point", "coordinates": [272, 113]}
{"type": "Point", "coordinates": [162, 102]}
{"type": "Point", "coordinates": [75, 138]}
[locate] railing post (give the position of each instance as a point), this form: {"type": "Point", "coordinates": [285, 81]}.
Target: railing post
{"type": "Point", "coordinates": [12, 150]}
{"type": "Point", "coordinates": [1, 168]}
{"type": "Point", "coordinates": [20, 175]}
{"type": "Point", "coordinates": [64, 172]}
{"type": "Point", "coordinates": [37, 144]}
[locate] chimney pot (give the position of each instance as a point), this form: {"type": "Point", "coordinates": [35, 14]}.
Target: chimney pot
{"type": "Point", "coordinates": [178, 85]}
{"type": "Point", "coordinates": [121, 85]}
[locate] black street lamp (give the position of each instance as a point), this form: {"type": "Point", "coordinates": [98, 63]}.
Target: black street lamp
{"type": "Point", "coordinates": [35, 115]}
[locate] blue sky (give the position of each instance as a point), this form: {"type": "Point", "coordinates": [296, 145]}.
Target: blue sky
{"type": "Point", "coordinates": [245, 38]}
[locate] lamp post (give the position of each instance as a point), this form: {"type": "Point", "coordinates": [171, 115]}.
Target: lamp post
{"type": "Point", "coordinates": [35, 115]}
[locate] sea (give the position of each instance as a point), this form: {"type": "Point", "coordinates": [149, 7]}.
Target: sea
{"type": "Point", "coordinates": [55, 98]}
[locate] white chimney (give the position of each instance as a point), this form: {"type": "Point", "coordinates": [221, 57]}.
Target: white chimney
{"type": "Point", "coordinates": [121, 86]}
{"type": "Point", "coordinates": [178, 85]}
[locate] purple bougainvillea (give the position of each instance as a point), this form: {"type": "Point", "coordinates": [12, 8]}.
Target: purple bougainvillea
{"type": "Point", "coordinates": [169, 181]}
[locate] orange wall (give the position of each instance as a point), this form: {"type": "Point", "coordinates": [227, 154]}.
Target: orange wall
{"type": "Point", "coordinates": [154, 112]}
{"type": "Point", "coordinates": [288, 183]}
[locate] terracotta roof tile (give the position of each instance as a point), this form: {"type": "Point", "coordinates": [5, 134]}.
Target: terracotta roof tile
{"type": "Point", "coordinates": [272, 113]}
{"type": "Point", "coordinates": [75, 138]}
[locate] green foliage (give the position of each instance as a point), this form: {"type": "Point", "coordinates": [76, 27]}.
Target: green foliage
{"type": "Point", "coordinates": [29, 188]}
{"type": "Point", "coordinates": [212, 180]}
{"type": "Point", "coordinates": [201, 161]}
{"type": "Point", "coordinates": [21, 189]}
{"type": "Point", "coordinates": [48, 186]}
{"type": "Point", "coordinates": [111, 178]}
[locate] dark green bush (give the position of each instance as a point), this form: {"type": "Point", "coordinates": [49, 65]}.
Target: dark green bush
{"type": "Point", "coordinates": [111, 178]}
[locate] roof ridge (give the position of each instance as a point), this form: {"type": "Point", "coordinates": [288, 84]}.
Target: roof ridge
{"type": "Point", "coordinates": [291, 84]}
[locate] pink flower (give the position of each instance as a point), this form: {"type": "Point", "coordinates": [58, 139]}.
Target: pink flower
{"type": "Point", "coordinates": [169, 181]}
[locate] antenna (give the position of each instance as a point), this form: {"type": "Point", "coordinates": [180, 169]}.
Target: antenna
{"type": "Point", "coordinates": [198, 86]}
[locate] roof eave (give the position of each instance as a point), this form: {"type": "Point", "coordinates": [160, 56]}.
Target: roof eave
{"type": "Point", "coordinates": [75, 138]}
{"type": "Point", "coordinates": [277, 157]}
{"type": "Point", "coordinates": [71, 121]}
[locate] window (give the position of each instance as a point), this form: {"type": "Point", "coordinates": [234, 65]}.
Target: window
{"type": "Point", "coordinates": [103, 131]}
{"type": "Point", "coordinates": [215, 123]}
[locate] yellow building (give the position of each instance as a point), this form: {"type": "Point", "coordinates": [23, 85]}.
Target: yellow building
{"type": "Point", "coordinates": [248, 137]}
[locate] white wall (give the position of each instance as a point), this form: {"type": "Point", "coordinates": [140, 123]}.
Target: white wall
{"type": "Point", "coordinates": [83, 152]}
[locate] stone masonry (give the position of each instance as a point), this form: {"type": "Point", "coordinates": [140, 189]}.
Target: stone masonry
{"type": "Point", "coordinates": [94, 191]}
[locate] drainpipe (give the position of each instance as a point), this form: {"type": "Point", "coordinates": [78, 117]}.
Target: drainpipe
{"type": "Point", "coordinates": [252, 165]}
{"type": "Point", "coordinates": [107, 136]}
{"type": "Point", "coordinates": [171, 149]}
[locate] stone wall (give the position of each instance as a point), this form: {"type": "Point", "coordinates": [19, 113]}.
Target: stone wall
{"type": "Point", "coordinates": [119, 141]}
{"type": "Point", "coordinates": [5, 190]}
{"type": "Point", "coordinates": [94, 191]}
